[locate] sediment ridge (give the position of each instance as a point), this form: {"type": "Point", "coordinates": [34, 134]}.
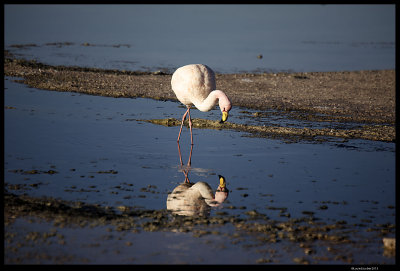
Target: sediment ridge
{"type": "Point", "coordinates": [366, 97]}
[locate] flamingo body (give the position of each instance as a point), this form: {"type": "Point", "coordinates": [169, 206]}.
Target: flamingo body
{"type": "Point", "coordinates": [194, 84]}
{"type": "Point", "coordinates": [190, 199]}
{"type": "Point", "coordinates": [195, 199]}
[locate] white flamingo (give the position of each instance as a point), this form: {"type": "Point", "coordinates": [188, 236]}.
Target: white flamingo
{"type": "Point", "coordinates": [195, 85]}
{"type": "Point", "coordinates": [196, 199]}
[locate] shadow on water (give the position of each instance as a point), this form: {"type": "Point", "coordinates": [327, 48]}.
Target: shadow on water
{"type": "Point", "coordinates": [297, 203]}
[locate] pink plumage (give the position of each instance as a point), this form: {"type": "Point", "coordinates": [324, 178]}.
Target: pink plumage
{"type": "Point", "coordinates": [195, 85]}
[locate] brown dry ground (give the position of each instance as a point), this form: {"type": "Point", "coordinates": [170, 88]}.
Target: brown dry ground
{"type": "Point", "coordinates": [359, 96]}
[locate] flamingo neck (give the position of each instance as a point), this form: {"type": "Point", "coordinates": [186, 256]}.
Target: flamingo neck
{"type": "Point", "coordinates": [204, 189]}
{"type": "Point", "coordinates": [208, 103]}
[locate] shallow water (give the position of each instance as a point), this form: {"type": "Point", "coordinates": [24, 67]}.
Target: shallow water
{"type": "Point", "coordinates": [91, 149]}
{"type": "Point", "coordinates": [228, 38]}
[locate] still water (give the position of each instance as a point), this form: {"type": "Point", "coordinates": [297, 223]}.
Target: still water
{"type": "Point", "coordinates": [102, 155]}
{"type": "Point", "coordinates": [228, 38]}
{"type": "Point", "coordinates": [96, 149]}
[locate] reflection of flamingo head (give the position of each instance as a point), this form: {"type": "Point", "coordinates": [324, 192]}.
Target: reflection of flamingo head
{"type": "Point", "coordinates": [222, 182]}
{"type": "Point", "coordinates": [222, 191]}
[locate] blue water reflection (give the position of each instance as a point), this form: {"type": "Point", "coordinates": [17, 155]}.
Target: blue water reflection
{"type": "Point", "coordinates": [91, 149]}
{"type": "Point", "coordinates": [103, 156]}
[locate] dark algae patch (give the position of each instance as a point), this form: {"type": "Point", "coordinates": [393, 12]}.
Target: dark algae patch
{"type": "Point", "coordinates": [369, 132]}
{"type": "Point", "coordinates": [308, 234]}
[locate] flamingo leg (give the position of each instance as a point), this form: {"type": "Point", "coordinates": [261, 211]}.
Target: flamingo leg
{"type": "Point", "coordinates": [190, 127]}
{"type": "Point", "coordinates": [190, 156]}
{"type": "Point", "coordinates": [186, 173]}
{"type": "Point", "coordinates": [183, 119]}
{"type": "Point", "coordinates": [180, 155]}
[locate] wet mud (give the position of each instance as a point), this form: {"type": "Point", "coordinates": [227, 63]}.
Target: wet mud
{"type": "Point", "coordinates": [369, 132]}
{"type": "Point", "coordinates": [319, 242]}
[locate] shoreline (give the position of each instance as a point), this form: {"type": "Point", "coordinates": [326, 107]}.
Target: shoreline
{"type": "Point", "coordinates": [306, 236]}
{"type": "Point", "coordinates": [124, 219]}
{"type": "Point", "coordinates": [366, 97]}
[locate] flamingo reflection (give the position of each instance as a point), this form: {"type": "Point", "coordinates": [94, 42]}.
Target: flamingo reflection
{"type": "Point", "coordinates": [195, 199]}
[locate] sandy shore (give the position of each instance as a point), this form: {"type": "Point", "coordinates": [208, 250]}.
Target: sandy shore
{"type": "Point", "coordinates": [360, 96]}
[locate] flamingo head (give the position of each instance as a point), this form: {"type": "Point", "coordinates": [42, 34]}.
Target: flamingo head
{"type": "Point", "coordinates": [223, 102]}
{"type": "Point", "coordinates": [225, 107]}
{"type": "Point", "coordinates": [222, 182]}
{"type": "Point", "coordinates": [222, 192]}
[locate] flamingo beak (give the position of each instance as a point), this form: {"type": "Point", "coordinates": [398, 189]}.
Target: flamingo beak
{"type": "Point", "coordinates": [224, 116]}
{"type": "Point", "coordinates": [222, 182]}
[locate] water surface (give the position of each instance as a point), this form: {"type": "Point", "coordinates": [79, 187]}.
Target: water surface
{"type": "Point", "coordinates": [228, 38]}
{"type": "Point", "coordinates": [97, 153]}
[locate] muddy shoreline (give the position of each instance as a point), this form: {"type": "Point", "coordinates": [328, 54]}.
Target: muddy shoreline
{"type": "Point", "coordinates": [366, 97]}
{"type": "Point", "coordinates": [305, 232]}
{"type": "Point", "coordinates": [378, 133]}
{"type": "Point", "coordinates": [361, 96]}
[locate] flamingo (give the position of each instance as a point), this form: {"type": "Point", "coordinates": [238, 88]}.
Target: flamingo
{"type": "Point", "coordinates": [188, 163]}
{"type": "Point", "coordinates": [196, 199]}
{"type": "Point", "coordinates": [194, 84]}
